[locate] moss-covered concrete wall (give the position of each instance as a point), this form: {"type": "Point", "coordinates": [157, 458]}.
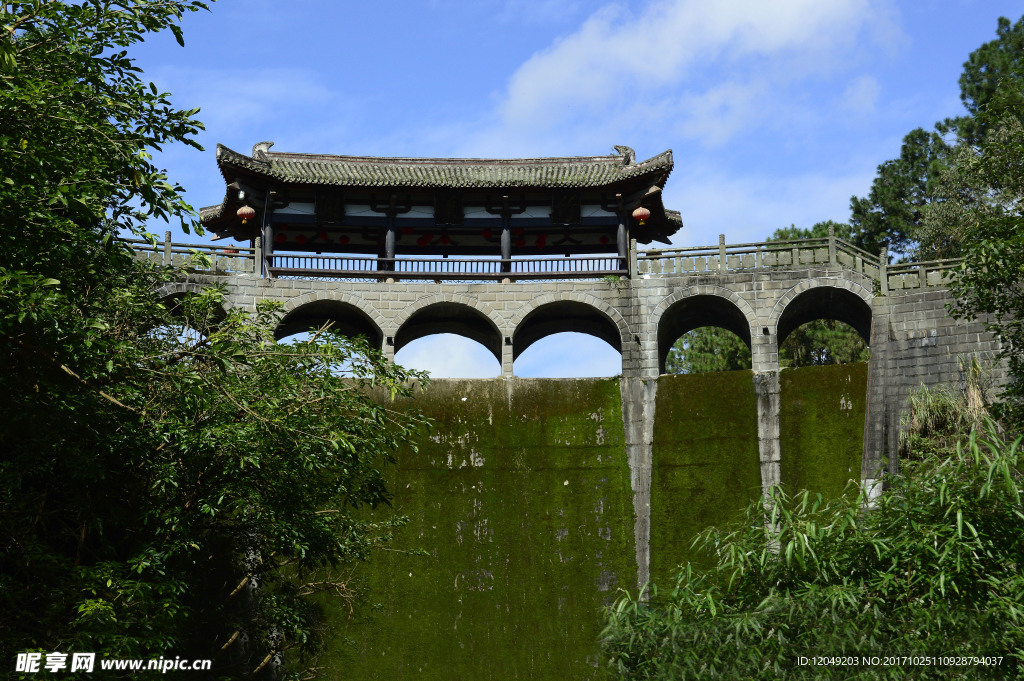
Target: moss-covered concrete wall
{"type": "Point", "coordinates": [821, 426]}
{"type": "Point", "coordinates": [522, 498]}
{"type": "Point", "coordinates": [705, 462]}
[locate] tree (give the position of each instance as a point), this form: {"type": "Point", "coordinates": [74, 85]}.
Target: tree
{"type": "Point", "coordinates": [907, 188]}
{"type": "Point", "coordinates": [984, 74]}
{"type": "Point", "coordinates": [931, 572]}
{"type": "Point", "coordinates": [171, 481]}
{"type": "Point", "coordinates": [892, 213]}
{"type": "Point", "coordinates": [707, 349]}
{"type": "Point", "coordinates": [985, 203]}
{"type": "Point", "coordinates": [819, 230]}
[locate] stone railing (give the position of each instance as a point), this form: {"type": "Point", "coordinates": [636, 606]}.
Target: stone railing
{"type": "Point", "coordinates": [206, 258]}
{"type": "Point", "coordinates": [824, 251]}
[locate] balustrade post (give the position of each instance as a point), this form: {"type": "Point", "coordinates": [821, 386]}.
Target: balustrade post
{"type": "Point", "coordinates": [883, 269]}
{"type": "Point", "coordinates": [257, 263]}
{"type": "Point", "coordinates": [167, 249]}
{"type": "Point", "coordinates": [632, 258]}
{"type": "Point", "coordinates": [832, 258]}
{"type": "Point", "coordinates": [721, 253]}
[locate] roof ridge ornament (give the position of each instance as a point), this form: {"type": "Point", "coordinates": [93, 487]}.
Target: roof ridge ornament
{"type": "Point", "coordinates": [259, 151]}
{"type": "Point", "coordinates": [629, 156]}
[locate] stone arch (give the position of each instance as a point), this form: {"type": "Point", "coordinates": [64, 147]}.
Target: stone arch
{"type": "Point", "coordinates": [177, 289]}
{"type": "Point", "coordinates": [171, 295]}
{"type": "Point", "coordinates": [572, 311]}
{"type": "Point", "coordinates": [449, 313]}
{"type": "Point", "coordinates": [348, 314]}
{"type": "Point", "coordinates": [696, 306]}
{"type": "Point", "coordinates": [825, 298]}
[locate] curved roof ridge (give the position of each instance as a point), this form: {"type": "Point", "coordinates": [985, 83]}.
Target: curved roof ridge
{"type": "Point", "coordinates": [428, 160]}
{"type": "Point", "coordinates": [380, 171]}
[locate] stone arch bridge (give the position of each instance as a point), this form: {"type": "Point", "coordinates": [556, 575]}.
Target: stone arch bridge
{"type": "Point", "coordinates": [762, 292]}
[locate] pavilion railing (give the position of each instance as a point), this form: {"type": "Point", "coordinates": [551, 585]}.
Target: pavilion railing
{"type": "Point", "coordinates": [280, 264]}
{"type": "Point", "coordinates": [825, 251]}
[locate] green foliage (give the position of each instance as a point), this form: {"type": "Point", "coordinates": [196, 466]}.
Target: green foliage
{"type": "Point", "coordinates": [186, 458]}
{"type": "Point", "coordinates": [158, 463]}
{"type": "Point", "coordinates": [818, 230]}
{"type": "Point", "coordinates": [892, 213]}
{"type": "Point", "coordinates": [936, 417]}
{"type": "Point", "coordinates": [933, 570]}
{"type": "Point", "coordinates": [78, 126]}
{"type": "Point", "coordinates": [985, 74]}
{"type": "Point", "coordinates": [911, 207]}
{"type": "Point", "coordinates": [986, 190]}
{"type": "Point", "coordinates": [707, 349]}
{"type": "Point", "coordinates": [823, 341]}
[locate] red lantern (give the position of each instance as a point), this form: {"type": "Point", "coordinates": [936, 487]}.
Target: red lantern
{"type": "Point", "coordinates": [280, 238]}
{"type": "Point", "coordinates": [445, 240]}
{"type": "Point", "coordinates": [323, 235]}
{"type": "Point", "coordinates": [246, 213]}
{"type": "Point", "coordinates": [343, 239]}
{"type": "Point", "coordinates": [486, 234]}
{"type": "Point", "coordinates": [641, 215]}
{"type": "Point", "coordinates": [604, 239]}
{"type": "Point", "coordinates": [301, 239]}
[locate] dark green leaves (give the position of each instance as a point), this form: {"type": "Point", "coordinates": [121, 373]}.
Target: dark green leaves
{"type": "Point", "coordinates": [921, 574]}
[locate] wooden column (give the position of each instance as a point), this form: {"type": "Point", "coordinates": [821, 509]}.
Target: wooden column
{"type": "Point", "coordinates": [622, 242]}
{"type": "Point", "coordinates": [268, 243]}
{"type": "Point", "coordinates": [506, 212]}
{"type": "Point", "coordinates": [389, 241]}
{"type": "Point", "coordinates": [390, 211]}
{"type": "Point", "coordinates": [506, 243]}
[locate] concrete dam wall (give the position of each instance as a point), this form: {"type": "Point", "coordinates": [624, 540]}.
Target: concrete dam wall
{"type": "Point", "coordinates": [533, 507]}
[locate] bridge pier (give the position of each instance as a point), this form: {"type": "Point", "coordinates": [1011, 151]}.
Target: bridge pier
{"type": "Point", "coordinates": [638, 402]}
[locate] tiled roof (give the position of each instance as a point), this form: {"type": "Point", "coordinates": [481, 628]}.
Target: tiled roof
{"type": "Point", "coordinates": [576, 172]}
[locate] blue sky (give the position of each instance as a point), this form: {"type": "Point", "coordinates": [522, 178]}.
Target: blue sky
{"type": "Point", "coordinates": [776, 112]}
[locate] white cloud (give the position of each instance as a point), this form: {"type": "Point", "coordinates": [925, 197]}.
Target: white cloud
{"type": "Point", "coordinates": [561, 355]}
{"type": "Point", "coordinates": [715, 116]}
{"type": "Point", "coordinates": [861, 95]}
{"type": "Point", "coordinates": [447, 355]}
{"type": "Point", "coordinates": [616, 57]}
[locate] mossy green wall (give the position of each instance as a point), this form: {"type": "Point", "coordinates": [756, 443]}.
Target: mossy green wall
{"type": "Point", "coordinates": [521, 496]}
{"type": "Point", "coordinates": [821, 426]}
{"type": "Point", "coordinates": [705, 462]}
